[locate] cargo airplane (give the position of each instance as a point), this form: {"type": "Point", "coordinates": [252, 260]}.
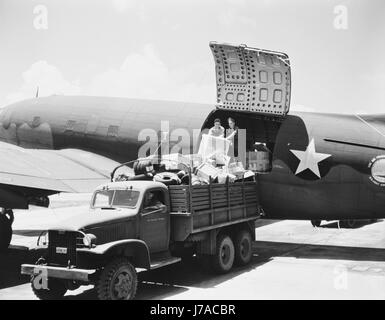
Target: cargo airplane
{"type": "Point", "coordinates": [324, 166]}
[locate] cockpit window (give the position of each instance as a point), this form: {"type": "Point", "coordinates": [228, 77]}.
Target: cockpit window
{"type": "Point", "coordinates": [2, 113]}
{"type": "Point", "coordinates": [115, 199]}
{"type": "Point", "coordinates": [5, 117]}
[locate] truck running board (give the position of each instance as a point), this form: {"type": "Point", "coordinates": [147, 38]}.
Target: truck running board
{"type": "Point", "coordinates": [155, 264]}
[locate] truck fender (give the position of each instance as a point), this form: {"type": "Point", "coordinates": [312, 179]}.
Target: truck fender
{"type": "Point", "coordinates": [136, 250]}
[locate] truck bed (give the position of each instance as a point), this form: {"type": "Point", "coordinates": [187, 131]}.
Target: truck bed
{"type": "Point", "coordinates": [200, 208]}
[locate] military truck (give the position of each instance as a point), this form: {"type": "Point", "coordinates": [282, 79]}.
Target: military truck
{"type": "Point", "coordinates": [134, 226]}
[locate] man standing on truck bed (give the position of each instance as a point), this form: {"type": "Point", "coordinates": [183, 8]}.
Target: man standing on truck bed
{"type": "Point", "coordinates": [232, 136]}
{"type": "Point", "coordinates": [217, 130]}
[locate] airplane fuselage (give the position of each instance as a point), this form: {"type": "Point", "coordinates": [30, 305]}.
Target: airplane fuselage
{"type": "Point", "coordinates": [324, 166]}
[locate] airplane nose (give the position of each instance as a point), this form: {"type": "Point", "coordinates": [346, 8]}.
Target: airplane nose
{"type": "Point", "coordinates": [10, 199]}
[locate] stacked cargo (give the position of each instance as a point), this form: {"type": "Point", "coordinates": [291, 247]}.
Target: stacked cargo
{"type": "Point", "coordinates": [211, 164]}
{"type": "Point", "coordinates": [259, 161]}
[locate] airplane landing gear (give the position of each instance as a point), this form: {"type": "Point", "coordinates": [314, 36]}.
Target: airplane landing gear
{"type": "Point", "coordinates": [6, 220]}
{"type": "Point", "coordinates": [351, 223]}
{"type": "Point", "coordinates": [316, 223]}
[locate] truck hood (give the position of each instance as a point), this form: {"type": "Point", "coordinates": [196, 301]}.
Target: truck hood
{"type": "Point", "coordinates": [92, 218]}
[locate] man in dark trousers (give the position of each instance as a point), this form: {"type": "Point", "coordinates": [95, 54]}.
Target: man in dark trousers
{"type": "Point", "coordinates": [232, 136]}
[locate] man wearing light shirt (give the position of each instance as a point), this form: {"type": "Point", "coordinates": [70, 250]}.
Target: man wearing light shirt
{"type": "Point", "coordinates": [217, 130]}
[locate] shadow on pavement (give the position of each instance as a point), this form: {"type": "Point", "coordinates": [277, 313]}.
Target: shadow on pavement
{"type": "Point", "coordinates": [358, 224]}
{"type": "Point", "coordinates": [273, 249]}
{"type": "Point", "coordinates": [168, 281]}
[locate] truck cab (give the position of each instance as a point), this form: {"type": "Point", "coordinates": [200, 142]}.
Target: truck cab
{"type": "Point", "coordinates": [145, 203]}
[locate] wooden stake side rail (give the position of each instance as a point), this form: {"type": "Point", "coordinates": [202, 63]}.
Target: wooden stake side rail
{"type": "Point", "coordinates": [212, 196]}
{"type": "Point", "coordinates": [197, 209]}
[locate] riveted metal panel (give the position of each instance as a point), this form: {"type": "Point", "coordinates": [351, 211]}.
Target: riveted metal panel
{"type": "Point", "coordinates": [252, 80]}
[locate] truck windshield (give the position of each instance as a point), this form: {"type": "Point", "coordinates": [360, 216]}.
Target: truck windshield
{"type": "Point", "coordinates": [115, 199]}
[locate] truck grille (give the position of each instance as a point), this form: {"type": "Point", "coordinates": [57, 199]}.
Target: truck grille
{"type": "Point", "coordinates": [62, 247]}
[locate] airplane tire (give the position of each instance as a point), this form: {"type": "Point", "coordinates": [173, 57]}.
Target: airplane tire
{"type": "Point", "coordinates": [223, 260]}
{"type": "Point", "coordinates": [316, 223]}
{"type": "Point", "coordinates": [243, 248]}
{"type": "Point", "coordinates": [118, 281]}
{"type": "Point", "coordinates": [5, 232]}
{"type": "Point", "coordinates": [349, 224]}
{"type": "Point", "coordinates": [56, 290]}
{"type": "Point", "coordinates": [167, 178]}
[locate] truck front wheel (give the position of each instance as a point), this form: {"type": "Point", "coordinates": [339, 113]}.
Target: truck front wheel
{"type": "Point", "coordinates": [118, 281]}
{"type": "Point", "coordinates": [223, 259]}
{"type": "Point", "coordinates": [243, 248]}
{"type": "Point", "coordinates": [56, 290]}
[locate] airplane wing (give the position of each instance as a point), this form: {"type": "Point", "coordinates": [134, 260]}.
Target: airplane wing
{"type": "Point", "coordinates": [26, 171]}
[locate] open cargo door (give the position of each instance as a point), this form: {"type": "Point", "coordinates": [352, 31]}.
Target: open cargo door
{"type": "Point", "coordinates": [252, 80]}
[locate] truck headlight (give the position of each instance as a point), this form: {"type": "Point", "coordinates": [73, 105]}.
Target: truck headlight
{"type": "Point", "coordinates": [89, 239]}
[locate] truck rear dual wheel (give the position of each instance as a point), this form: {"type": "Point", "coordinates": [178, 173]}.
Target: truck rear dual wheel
{"type": "Point", "coordinates": [118, 281]}
{"type": "Point", "coordinates": [5, 232]}
{"type": "Point", "coordinates": [243, 248]}
{"type": "Point", "coordinates": [223, 260]}
{"type": "Point", "coordinates": [56, 290]}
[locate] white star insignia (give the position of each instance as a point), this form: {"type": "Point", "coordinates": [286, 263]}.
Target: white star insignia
{"type": "Point", "coordinates": [309, 159]}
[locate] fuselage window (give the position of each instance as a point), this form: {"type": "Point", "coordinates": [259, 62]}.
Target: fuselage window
{"type": "Point", "coordinates": [113, 131]}
{"type": "Point", "coordinates": [35, 122]}
{"type": "Point", "coordinates": [70, 125]}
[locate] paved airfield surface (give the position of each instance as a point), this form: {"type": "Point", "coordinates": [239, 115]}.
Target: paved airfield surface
{"type": "Point", "coordinates": [292, 260]}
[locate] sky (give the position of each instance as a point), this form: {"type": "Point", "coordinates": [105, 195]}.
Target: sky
{"type": "Point", "coordinates": [159, 49]}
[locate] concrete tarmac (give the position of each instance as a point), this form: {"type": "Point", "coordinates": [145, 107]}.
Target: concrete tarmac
{"type": "Point", "coordinates": [291, 260]}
